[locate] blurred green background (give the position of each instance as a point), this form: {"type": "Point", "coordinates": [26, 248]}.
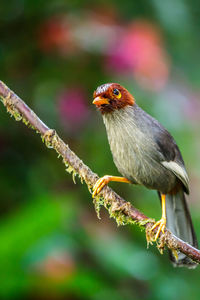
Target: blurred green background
{"type": "Point", "coordinates": [54, 54]}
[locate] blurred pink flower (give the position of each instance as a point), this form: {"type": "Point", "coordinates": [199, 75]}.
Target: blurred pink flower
{"type": "Point", "coordinates": [73, 108]}
{"type": "Point", "coordinates": [139, 48]}
{"type": "Point", "coordinates": [136, 48]}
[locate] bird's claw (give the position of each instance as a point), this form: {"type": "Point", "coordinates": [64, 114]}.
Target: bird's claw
{"type": "Point", "coordinates": [101, 182]}
{"type": "Point", "coordinates": [161, 224]}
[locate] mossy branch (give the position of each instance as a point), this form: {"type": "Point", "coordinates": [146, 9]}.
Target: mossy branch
{"type": "Point", "coordinates": [119, 209]}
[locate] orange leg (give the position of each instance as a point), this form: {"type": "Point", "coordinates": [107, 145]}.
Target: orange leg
{"type": "Point", "coordinates": [161, 224]}
{"type": "Point", "coordinates": [101, 182]}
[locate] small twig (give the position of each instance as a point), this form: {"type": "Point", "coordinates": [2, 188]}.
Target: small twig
{"type": "Point", "coordinates": [121, 210]}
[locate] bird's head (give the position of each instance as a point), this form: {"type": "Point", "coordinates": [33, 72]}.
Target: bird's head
{"type": "Point", "coordinates": [111, 96]}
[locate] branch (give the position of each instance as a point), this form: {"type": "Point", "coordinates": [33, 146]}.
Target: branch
{"type": "Point", "coordinates": [118, 208]}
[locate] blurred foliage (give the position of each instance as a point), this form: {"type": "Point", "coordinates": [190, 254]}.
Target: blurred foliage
{"type": "Point", "coordinates": [53, 54]}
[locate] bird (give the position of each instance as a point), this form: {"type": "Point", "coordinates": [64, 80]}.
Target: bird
{"type": "Point", "coordinates": [145, 153]}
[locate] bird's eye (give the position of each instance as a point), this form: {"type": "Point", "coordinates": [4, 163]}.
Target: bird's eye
{"type": "Point", "coordinates": [117, 93]}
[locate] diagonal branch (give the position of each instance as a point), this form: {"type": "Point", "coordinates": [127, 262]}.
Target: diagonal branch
{"type": "Point", "coordinates": [118, 208]}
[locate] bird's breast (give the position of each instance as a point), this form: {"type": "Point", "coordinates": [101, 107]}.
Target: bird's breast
{"type": "Point", "coordinates": [134, 152]}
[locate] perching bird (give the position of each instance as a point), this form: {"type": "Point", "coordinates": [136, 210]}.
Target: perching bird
{"type": "Point", "coordinates": [145, 153]}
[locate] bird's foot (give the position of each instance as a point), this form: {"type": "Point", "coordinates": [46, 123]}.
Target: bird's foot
{"type": "Point", "coordinates": [161, 224]}
{"type": "Point", "coordinates": [101, 182]}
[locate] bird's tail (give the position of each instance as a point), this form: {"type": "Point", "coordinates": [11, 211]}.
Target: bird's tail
{"type": "Point", "coordinates": [180, 224]}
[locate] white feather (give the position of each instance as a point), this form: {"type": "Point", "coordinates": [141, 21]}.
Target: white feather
{"type": "Point", "coordinates": [178, 170]}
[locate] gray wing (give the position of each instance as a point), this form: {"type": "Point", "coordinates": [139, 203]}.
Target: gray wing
{"type": "Point", "coordinates": [172, 158]}
{"type": "Point", "coordinates": [167, 151]}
